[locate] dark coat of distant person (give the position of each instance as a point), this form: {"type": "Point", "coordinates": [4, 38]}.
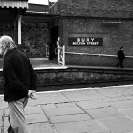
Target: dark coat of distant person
{"type": "Point", "coordinates": [121, 55]}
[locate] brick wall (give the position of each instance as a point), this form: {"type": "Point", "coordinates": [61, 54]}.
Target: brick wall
{"type": "Point", "coordinates": [85, 18]}
{"type": "Point", "coordinates": [34, 37]}
{"type": "Point", "coordinates": [78, 76]}
{"type": "Point", "coordinates": [114, 36]}
{"type": "Point", "coordinates": [97, 8]}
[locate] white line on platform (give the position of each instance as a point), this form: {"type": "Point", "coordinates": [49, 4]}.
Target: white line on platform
{"type": "Point", "coordinates": [38, 59]}
{"type": "Point", "coordinates": [95, 88]}
{"type": "Point", "coordinates": [48, 68]}
{"type": "Point", "coordinates": [40, 68]}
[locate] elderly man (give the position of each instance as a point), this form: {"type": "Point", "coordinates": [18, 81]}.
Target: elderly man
{"type": "Point", "coordinates": [20, 82]}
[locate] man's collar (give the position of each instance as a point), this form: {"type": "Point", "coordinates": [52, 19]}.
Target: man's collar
{"type": "Point", "coordinates": [8, 52]}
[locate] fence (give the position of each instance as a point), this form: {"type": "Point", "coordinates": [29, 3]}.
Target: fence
{"type": "Point", "coordinates": [61, 55]}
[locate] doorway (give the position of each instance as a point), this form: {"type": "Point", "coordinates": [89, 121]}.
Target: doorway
{"type": "Point", "coordinates": [53, 45]}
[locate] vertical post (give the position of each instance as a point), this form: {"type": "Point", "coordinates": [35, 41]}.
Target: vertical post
{"type": "Point", "coordinates": [19, 29]}
{"type": "Point", "coordinates": [58, 53]}
{"type": "Point", "coordinates": [58, 49]}
{"type": "Point", "coordinates": [63, 55]}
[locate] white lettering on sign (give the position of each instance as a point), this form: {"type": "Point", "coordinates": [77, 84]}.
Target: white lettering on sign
{"type": "Point", "coordinates": [92, 43]}
{"type": "Point", "coordinates": [92, 39]}
{"type": "Point", "coordinates": [87, 39]}
{"type": "Point", "coordinates": [78, 39]}
{"type": "Point", "coordinates": [78, 43]}
{"type": "Point", "coordinates": [83, 39]}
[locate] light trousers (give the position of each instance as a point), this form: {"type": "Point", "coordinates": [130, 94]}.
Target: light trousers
{"type": "Point", "coordinates": [17, 115]}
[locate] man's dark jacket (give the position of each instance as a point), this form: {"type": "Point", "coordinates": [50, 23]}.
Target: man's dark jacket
{"type": "Point", "coordinates": [121, 55]}
{"type": "Point", "coordinates": [18, 74]}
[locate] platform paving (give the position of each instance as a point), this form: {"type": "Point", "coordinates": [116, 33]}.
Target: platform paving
{"type": "Point", "coordinates": [85, 110]}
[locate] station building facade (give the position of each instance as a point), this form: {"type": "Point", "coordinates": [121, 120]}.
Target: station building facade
{"type": "Point", "coordinates": [11, 12]}
{"type": "Point", "coordinates": [92, 31]}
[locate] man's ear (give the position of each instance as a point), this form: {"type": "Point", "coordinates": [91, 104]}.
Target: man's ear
{"type": "Point", "coordinates": [5, 45]}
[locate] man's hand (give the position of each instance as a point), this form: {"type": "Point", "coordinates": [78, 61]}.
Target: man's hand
{"type": "Point", "coordinates": [30, 92]}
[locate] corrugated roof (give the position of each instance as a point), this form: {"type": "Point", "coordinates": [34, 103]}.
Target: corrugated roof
{"type": "Point", "coordinates": [13, 4]}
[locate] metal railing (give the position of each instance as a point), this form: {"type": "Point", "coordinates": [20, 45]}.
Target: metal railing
{"type": "Point", "coordinates": [61, 55]}
{"type": "Point", "coordinates": [47, 51]}
{"type": "Point", "coordinates": [100, 55]}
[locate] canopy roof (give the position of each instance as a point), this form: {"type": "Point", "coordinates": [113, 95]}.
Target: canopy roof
{"type": "Point", "coordinates": [38, 17]}
{"type": "Point", "coordinates": [37, 13]}
{"type": "Point", "coordinates": [14, 3]}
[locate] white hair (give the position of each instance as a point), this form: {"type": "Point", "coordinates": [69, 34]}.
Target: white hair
{"type": "Point", "coordinates": [7, 42]}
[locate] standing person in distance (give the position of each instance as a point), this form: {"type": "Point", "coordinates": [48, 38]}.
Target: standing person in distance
{"type": "Point", "coordinates": [20, 82]}
{"type": "Point", "coordinates": [121, 57]}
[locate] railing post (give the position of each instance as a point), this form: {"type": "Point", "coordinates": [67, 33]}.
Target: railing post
{"type": "Point", "coordinates": [58, 51]}
{"type": "Point", "coordinates": [19, 30]}
{"type": "Point", "coordinates": [47, 51]}
{"type": "Point", "coordinates": [63, 55]}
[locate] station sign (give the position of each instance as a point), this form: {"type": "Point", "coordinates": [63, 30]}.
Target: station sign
{"type": "Point", "coordinates": [85, 41]}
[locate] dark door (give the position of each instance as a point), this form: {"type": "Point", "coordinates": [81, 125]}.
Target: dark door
{"type": "Point", "coordinates": [53, 45]}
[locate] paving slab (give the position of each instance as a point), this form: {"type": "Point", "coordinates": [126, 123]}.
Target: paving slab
{"type": "Point", "coordinates": [114, 99]}
{"type": "Point", "coordinates": [92, 104]}
{"type": "Point", "coordinates": [40, 128]}
{"type": "Point", "coordinates": [80, 95]}
{"type": "Point", "coordinates": [48, 98]}
{"type": "Point", "coordinates": [125, 90]}
{"type": "Point", "coordinates": [48, 106]}
{"type": "Point", "coordinates": [64, 111]}
{"type": "Point", "coordinates": [3, 104]}
{"type": "Point", "coordinates": [117, 91]}
{"type": "Point", "coordinates": [118, 124]}
{"type": "Point", "coordinates": [98, 110]}
{"type": "Point", "coordinates": [127, 112]}
{"type": "Point", "coordinates": [62, 105]}
{"type": "Point", "coordinates": [121, 104]}
{"type": "Point", "coordinates": [100, 132]}
{"type": "Point", "coordinates": [90, 126]}
{"type": "Point", "coordinates": [70, 118]}
{"type": "Point", "coordinates": [104, 113]}
{"type": "Point", "coordinates": [33, 110]}
{"type": "Point", "coordinates": [36, 118]}
{"type": "Point", "coordinates": [111, 91]}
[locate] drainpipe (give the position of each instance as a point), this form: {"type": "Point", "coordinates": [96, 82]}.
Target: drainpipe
{"type": "Point", "coordinates": [19, 30]}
